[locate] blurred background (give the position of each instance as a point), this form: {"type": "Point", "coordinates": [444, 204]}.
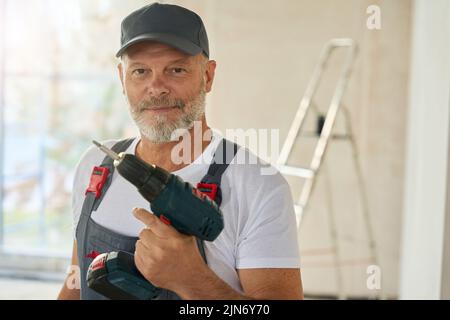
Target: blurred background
{"type": "Point", "coordinates": [59, 89]}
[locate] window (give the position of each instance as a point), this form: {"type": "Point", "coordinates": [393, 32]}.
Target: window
{"type": "Point", "coordinates": [58, 91]}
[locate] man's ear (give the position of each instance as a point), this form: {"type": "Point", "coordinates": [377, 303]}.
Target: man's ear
{"type": "Point", "coordinates": [209, 74]}
{"type": "Point", "coordinates": [120, 69]}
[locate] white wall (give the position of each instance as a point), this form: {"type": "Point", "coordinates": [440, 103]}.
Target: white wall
{"type": "Point", "coordinates": [266, 51]}
{"type": "Point", "coordinates": [425, 266]}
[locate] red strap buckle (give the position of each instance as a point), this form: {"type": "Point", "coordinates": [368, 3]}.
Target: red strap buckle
{"type": "Point", "coordinates": [98, 179]}
{"type": "Point", "coordinates": [93, 255]}
{"type": "Point", "coordinates": [210, 189]}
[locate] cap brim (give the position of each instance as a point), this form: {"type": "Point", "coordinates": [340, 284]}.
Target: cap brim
{"type": "Point", "coordinates": [169, 39]}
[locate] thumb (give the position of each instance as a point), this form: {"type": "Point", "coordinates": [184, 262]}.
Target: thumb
{"type": "Point", "coordinates": [146, 217]}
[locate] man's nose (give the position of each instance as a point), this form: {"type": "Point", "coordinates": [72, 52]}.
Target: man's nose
{"type": "Point", "coordinates": [157, 86]}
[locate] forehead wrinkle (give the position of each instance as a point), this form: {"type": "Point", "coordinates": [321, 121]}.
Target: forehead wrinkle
{"type": "Point", "coordinates": [141, 61]}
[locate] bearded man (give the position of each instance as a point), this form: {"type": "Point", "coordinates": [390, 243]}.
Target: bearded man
{"type": "Point", "coordinates": [166, 72]}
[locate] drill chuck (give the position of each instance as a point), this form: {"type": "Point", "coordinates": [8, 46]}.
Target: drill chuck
{"type": "Point", "coordinates": [148, 179]}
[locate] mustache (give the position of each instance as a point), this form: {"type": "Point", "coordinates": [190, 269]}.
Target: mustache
{"type": "Point", "coordinates": [152, 103]}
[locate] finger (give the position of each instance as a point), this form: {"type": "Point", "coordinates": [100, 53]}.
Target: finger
{"type": "Point", "coordinates": [146, 217]}
{"type": "Point", "coordinates": [142, 249]}
{"type": "Point", "coordinates": [145, 256]}
{"type": "Point", "coordinates": [159, 228]}
{"type": "Point", "coordinates": [143, 253]}
{"type": "Point", "coordinates": [149, 238]}
{"type": "Point", "coordinates": [138, 258]}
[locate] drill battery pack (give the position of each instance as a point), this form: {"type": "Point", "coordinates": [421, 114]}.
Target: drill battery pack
{"type": "Point", "coordinates": [115, 276]}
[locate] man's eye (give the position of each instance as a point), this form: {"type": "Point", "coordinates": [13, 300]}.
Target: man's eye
{"type": "Point", "coordinates": [139, 72]}
{"type": "Point", "coordinates": [178, 70]}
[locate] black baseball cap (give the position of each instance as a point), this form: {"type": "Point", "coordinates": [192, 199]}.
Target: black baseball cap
{"type": "Point", "coordinates": [169, 24]}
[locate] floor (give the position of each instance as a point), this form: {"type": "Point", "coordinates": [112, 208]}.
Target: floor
{"type": "Point", "coordinates": [23, 289]}
{"type": "Point", "coordinates": [20, 289]}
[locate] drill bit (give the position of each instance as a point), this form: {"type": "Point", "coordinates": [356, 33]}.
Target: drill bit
{"type": "Point", "coordinates": [109, 152]}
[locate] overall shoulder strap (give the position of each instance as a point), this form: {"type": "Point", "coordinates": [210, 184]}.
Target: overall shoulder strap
{"type": "Point", "coordinates": [210, 183]}
{"type": "Point", "coordinates": [100, 180]}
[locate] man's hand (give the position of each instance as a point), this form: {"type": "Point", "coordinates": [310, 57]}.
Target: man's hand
{"type": "Point", "coordinates": [164, 256]}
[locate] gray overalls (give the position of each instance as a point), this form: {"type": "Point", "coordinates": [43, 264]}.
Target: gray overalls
{"type": "Point", "coordinates": [92, 237]}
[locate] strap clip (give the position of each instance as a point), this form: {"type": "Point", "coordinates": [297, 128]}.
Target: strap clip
{"type": "Point", "coordinates": [98, 179]}
{"type": "Point", "coordinates": [210, 189]}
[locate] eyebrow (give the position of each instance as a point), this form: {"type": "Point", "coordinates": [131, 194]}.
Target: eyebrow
{"type": "Point", "coordinates": [182, 60]}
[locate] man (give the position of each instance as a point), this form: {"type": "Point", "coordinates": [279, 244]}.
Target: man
{"type": "Point", "coordinates": [165, 73]}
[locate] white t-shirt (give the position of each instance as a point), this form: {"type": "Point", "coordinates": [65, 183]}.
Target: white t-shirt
{"type": "Point", "coordinates": [259, 220]}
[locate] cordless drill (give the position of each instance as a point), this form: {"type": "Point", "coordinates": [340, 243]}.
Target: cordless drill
{"type": "Point", "coordinates": [172, 200]}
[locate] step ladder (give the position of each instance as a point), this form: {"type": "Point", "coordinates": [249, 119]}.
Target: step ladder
{"type": "Point", "coordinates": [324, 135]}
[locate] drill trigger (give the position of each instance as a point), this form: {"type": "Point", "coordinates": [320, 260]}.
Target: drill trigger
{"type": "Point", "coordinates": [165, 220]}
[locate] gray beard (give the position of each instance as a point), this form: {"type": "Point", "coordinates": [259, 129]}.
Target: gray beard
{"type": "Point", "coordinates": [164, 130]}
